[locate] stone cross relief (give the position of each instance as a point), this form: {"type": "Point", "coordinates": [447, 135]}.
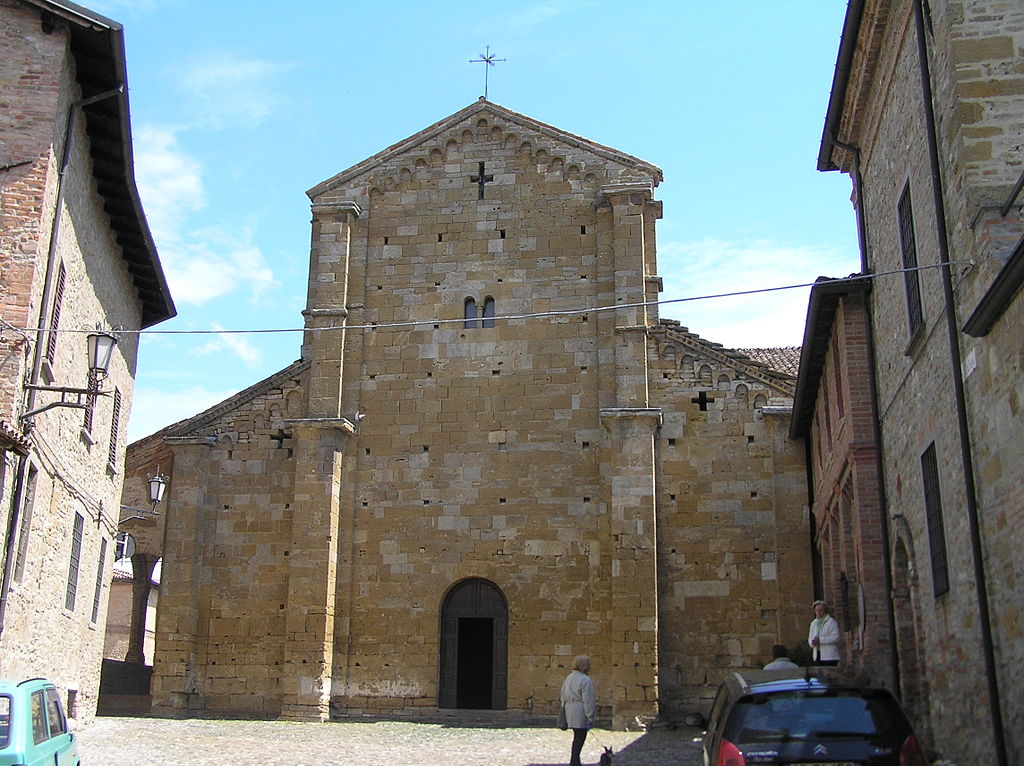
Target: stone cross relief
{"type": "Point", "coordinates": [702, 400]}
{"type": "Point", "coordinates": [480, 179]}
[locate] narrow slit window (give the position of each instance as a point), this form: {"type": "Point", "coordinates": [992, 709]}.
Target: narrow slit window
{"type": "Point", "coordinates": [469, 314]}
{"type": "Point", "coordinates": [488, 313]}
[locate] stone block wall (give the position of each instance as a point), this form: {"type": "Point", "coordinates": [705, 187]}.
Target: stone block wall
{"type": "Point", "coordinates": [733, 533]}
{"type": "Point", "coordinates": [220, 624]}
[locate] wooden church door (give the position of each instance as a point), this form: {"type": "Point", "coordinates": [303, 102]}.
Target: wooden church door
{"type": "Point", "coordinates": [474, 647]}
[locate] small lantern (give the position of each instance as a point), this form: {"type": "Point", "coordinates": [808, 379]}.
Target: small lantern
{"type": "Point", "coordinates": [157, 485]}
{"type": "Point", "coordinates": [101, 349]}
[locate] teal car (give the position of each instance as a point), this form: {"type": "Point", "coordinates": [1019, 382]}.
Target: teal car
{"type": "Point", "coordinates": [33, 728]}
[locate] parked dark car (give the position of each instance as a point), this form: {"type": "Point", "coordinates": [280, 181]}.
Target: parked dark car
{"type": "Point", "coordinates": [33, 728]}
{"type": "Point", "coordinates": [808, 717]}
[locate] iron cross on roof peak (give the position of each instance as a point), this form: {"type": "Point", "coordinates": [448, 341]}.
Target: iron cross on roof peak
{"type": "Point", "coordinates": [488, 60]}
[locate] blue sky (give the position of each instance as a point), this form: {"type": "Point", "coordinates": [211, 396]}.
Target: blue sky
{"type": "Point", "coordinates": [239, 107]}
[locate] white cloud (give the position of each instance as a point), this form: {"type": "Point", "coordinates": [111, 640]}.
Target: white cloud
{"type": "Point", "coordinates": [170, 182]}
{"type": "Point", "coordinates": [236, 343]}
{"type": "Point", "coordinates": [153, 408]}
{"type": "Point", "coordinates": [711, 266]}
{"type": "Point", "coordinates": [201, 264]}
{"type": "Point", "coordinates": [215, 264]}
{"type": "Point", "coordinates": [225, 89]}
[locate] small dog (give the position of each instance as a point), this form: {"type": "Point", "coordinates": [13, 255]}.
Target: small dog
{"type": "Point", "coordinates": [606, 757]}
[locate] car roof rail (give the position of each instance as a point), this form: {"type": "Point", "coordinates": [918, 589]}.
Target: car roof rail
{"type": "Point", "coordinates": [742, 682]}
{"type": "Point", "coordinates": [30, 680]}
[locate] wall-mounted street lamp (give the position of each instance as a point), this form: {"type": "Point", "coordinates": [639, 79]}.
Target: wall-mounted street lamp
{"type": "Point", "coordinates": [156, 484]}
{"type": "Point", "coordinates": [101, 349]}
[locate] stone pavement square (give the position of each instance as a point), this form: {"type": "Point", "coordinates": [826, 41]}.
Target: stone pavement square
{"type": "Point", "coordinates": [139, 741]}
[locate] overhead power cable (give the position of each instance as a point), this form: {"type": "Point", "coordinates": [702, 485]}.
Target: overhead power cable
{"type": "Point", "coordinates": [534, 315]}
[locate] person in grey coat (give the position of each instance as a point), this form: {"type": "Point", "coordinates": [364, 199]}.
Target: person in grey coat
{"type": "Point", "coordinates": [580, 703]}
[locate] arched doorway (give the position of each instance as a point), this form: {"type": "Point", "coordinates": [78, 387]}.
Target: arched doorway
{"type": "Point", "coordinates": [913, 684]}
{"type": "Point", "coordinates": [474, 647]}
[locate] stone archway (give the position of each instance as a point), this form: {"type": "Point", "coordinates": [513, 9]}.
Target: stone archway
{"type": "Point", "coordinates": [913, 683]}
{"type": "Point", "coordinates": [474, 647]}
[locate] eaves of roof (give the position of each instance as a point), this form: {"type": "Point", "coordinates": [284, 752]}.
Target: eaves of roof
{"type": "Point", "coordinates": [97, 44]}
{"type": "Point", "coordinates": [840, 81]}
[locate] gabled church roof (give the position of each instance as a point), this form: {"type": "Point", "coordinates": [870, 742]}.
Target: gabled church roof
{"type": "Point", "coordinates": [479, 107]}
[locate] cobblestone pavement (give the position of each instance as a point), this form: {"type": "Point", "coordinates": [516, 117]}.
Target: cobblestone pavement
{"type": "Point", "coordinates": [138, 741]}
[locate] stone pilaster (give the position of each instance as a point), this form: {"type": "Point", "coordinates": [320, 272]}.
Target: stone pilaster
{"type": "Point", "coordinates": [633, 214]}
{"type": "Point", "coordinates": [326, 312]}
{"type": "Point", "coordinates": [308, 661]}
{"type": "Point", "coordinates": [177, 670]}
{"type": "Point", "coordinates": [634, 574]}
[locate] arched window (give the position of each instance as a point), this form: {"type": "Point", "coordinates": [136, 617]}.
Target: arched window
{"type": "Point", "coordinates": [488, 312]}
{"type": "Point", "coordinates": [470, 314]}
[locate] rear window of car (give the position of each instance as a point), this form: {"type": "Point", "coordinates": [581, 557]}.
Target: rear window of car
{"type": "Point", "coordinates": [815, 713]}
{"type": "Point", "coordinates": [38, 708]}
{"type": "Point", "coordinates": [5, 721]}
{"type": "Point", "coordinates": [55, 713]}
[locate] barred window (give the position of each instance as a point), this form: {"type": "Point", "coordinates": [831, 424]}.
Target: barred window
{"type": "Point", "coordinates": [933, 516]}
{"type": "Point", "coordinates": [908, 244]}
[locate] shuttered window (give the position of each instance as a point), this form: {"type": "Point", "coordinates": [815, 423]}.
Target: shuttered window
{"type": "Point", "coordinates": [58, 302]}
{"type": "Point", "coordinates": [73, 566]}
{"type": "Point", "coordinates": [25, 526]}
{"type": "Point", "coordinates": [99, 581]}
{"type": "Point", "coordinates": [115, 429]}
{"type": "Point", "coordinates": [90, 402]}
{"type": "Point", "coordinates": [933, 516]}
{"type": "Point", "coordinates": [908, 244]}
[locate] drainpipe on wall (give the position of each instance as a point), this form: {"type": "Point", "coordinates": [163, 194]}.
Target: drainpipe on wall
{"type": "Point", "coordinates": [967, 460]}
{"type": "Point", "coordinates": [18, 495]}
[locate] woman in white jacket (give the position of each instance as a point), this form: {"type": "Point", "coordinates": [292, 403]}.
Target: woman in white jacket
{"type": "Point", "coordinates": [580, 703]}
{"type": "Point", "coordinates": [823, 636]}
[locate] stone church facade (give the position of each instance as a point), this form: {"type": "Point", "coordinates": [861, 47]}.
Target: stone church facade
{"type": "Point", "coordinates": [491, 456]}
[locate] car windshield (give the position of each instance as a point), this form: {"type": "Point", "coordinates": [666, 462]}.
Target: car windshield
{"type": "Point", "coordinates": [5, 720]}
{"type": "Point", "coordinates": [815, 713]}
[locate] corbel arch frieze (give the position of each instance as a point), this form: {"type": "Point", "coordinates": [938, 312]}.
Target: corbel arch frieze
{"type": "Point", "coordinates": [682, 345]}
